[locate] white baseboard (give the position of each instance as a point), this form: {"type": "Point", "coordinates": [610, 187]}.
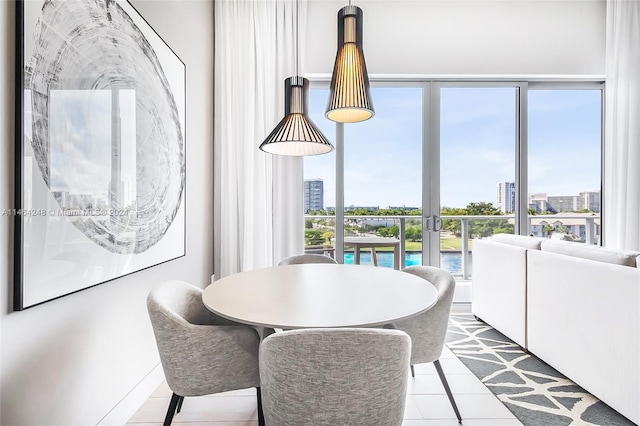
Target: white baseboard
{"type": "Point", "coordinates": [127, 407]}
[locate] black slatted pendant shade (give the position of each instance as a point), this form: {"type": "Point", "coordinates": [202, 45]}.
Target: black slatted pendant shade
{"type": "Point", "coordinates": [350, 98]}
{"type": "Point", "coordinates": [296, 134]}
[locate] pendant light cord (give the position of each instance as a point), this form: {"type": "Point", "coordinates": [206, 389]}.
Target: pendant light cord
{"type": "Point", "coordinates": [297, 37]}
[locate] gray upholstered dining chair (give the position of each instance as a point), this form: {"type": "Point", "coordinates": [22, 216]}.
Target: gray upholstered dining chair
{"type": "Point", "coordinates": [429, 329]}
{"type": "Point", "coordinates": [328, 377]}
{"type": "Point", "coordinates": [201, 353]}
{"type": "Point", "coordinates": [306, 258]}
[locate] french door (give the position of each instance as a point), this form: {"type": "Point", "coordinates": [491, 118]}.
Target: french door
{"type": "Point", "coordinates": [450, 161]}
{"type": "Point", "coordinates": [471, 146]}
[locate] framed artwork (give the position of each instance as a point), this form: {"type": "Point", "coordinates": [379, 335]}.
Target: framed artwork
{"type": "Point", "coordinates": [100, 147]}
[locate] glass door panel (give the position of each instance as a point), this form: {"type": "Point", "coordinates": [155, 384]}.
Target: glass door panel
{"type": "Point", "coordinates": [477, 191]}
{"type": "Point", "coordinates": [564, 163]}
{"type": "Point", "coordinates": [382, 178]}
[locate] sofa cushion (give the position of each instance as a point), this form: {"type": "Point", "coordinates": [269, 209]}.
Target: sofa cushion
{"type": "Point", "coordinates": [518, 240]}
{"type": "Point", "coordinates": [591, 252]}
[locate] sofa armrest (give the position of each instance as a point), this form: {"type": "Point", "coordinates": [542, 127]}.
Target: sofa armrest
{"type": "Point", "coordinates": [499, 287]}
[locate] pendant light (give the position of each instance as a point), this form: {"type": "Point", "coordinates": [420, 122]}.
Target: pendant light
{"type": "Point", "coordinates": [296, 134]}
{"type": "Point", "coordinates": [350, 98]}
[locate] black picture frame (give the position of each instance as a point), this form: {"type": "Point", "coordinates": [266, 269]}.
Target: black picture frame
{"type": "Point", "coordinates": [100, 176]}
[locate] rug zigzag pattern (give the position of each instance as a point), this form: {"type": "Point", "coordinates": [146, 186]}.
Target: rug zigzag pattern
{"type": "Point", "coordinates": [537, 394]}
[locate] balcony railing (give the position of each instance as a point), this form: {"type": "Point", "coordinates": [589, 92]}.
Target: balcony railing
{"type": "Point", "coordinates": [585, 226]}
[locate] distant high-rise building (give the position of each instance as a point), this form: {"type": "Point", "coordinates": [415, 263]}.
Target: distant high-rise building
{"type": "Point", "coordinates": [564, 203]}
{"type": "Point", "coordinates": [590, 201]}
{"type": "Point", "coordinates": [313, 195]}
{"type": "Point", "coordinates": [538, 202]}
{"type": "Point", "coordinates": [506, 197]}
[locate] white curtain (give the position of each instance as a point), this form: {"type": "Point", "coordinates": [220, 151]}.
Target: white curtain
{"type": "Point", "coordinates": [622, 126]}
{"type": "Point", "coordinates": [260, 194]}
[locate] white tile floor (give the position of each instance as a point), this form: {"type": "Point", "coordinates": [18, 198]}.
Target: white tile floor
{"type": "Point", "coordinates": [427, 403]}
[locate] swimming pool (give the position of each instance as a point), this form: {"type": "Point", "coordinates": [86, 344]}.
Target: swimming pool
{"type": "Point", "coordinates": [451, 261]}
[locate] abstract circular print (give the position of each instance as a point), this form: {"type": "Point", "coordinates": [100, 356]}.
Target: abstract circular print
{"type": "Point", "coordinates": [103, 124]}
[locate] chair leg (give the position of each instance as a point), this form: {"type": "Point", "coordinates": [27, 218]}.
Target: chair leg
{"type": "Point", "coordinates": [172, 409]}
{"type": "Point", "coordinates": [443, 379]}
{"type": "Point", "coordinates": [260, 412]}
{"type": "Point", "coordinates": [413, 372]}
{"type": "Point", "coordinates": [180, 404]}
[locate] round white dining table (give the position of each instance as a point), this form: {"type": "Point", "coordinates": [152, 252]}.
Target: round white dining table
{"type": "Point", "coordinates": [319, 295]}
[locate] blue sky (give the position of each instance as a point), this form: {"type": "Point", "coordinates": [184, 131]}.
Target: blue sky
{"type": "Point", "coordinates": [383, 155]}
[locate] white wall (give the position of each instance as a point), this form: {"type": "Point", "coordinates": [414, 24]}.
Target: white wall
{"type": "Point", "coordinates": [525, 37]}
{"type": "Point", "coordinates": [72, 360]}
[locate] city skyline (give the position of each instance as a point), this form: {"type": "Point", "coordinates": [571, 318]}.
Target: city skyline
{"type": "Point", "coordinates": [383, 156]}
{"type": "Point", "coordinates": [591, 201]}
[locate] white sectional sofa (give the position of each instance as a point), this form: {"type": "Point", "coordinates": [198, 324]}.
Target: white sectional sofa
{"type": "Point", "coordinates": [575, 306]}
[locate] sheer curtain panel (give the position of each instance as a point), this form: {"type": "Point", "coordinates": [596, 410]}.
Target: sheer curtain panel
{"type": "Point", "coordinates": [622, 126]}
{"type": "Point", "coordinates": [259, 196]}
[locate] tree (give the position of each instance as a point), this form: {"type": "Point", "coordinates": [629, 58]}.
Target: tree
{"type": "Point", "coordinates": [413, 233]}
{"type": "Point", "coordinates": [477, 227]}
{"type": "Point", "coordinates": [360, 212]}
{"type": "Point", "coordinates": [549, 228]}
{"type": "Point", "coordinates": [313, 237]}
{"type": "Point", "coordinates": [452, 225]}
{"type": "Point", "coordinates": [327, 236]}
{"type": "Point", "coordinates": [391, 212]}
{"type": "Point", "coordinates": [392, 231]}
{"type": "Point", "coordinates": [482, 208]}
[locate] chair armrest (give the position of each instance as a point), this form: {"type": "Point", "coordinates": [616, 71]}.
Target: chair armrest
{"type": "Point", "coordinates": [204, 359]}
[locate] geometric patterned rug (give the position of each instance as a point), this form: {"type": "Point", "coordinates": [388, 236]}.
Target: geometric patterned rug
{"type": "Point", "coordinates": [537, 394]}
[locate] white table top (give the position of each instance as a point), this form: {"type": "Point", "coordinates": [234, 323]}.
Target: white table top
{"type": "Point", "coordinates": [319, 295]}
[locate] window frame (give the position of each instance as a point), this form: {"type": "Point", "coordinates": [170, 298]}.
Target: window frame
{"type": "Point", "coordinates": [431, 145]}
